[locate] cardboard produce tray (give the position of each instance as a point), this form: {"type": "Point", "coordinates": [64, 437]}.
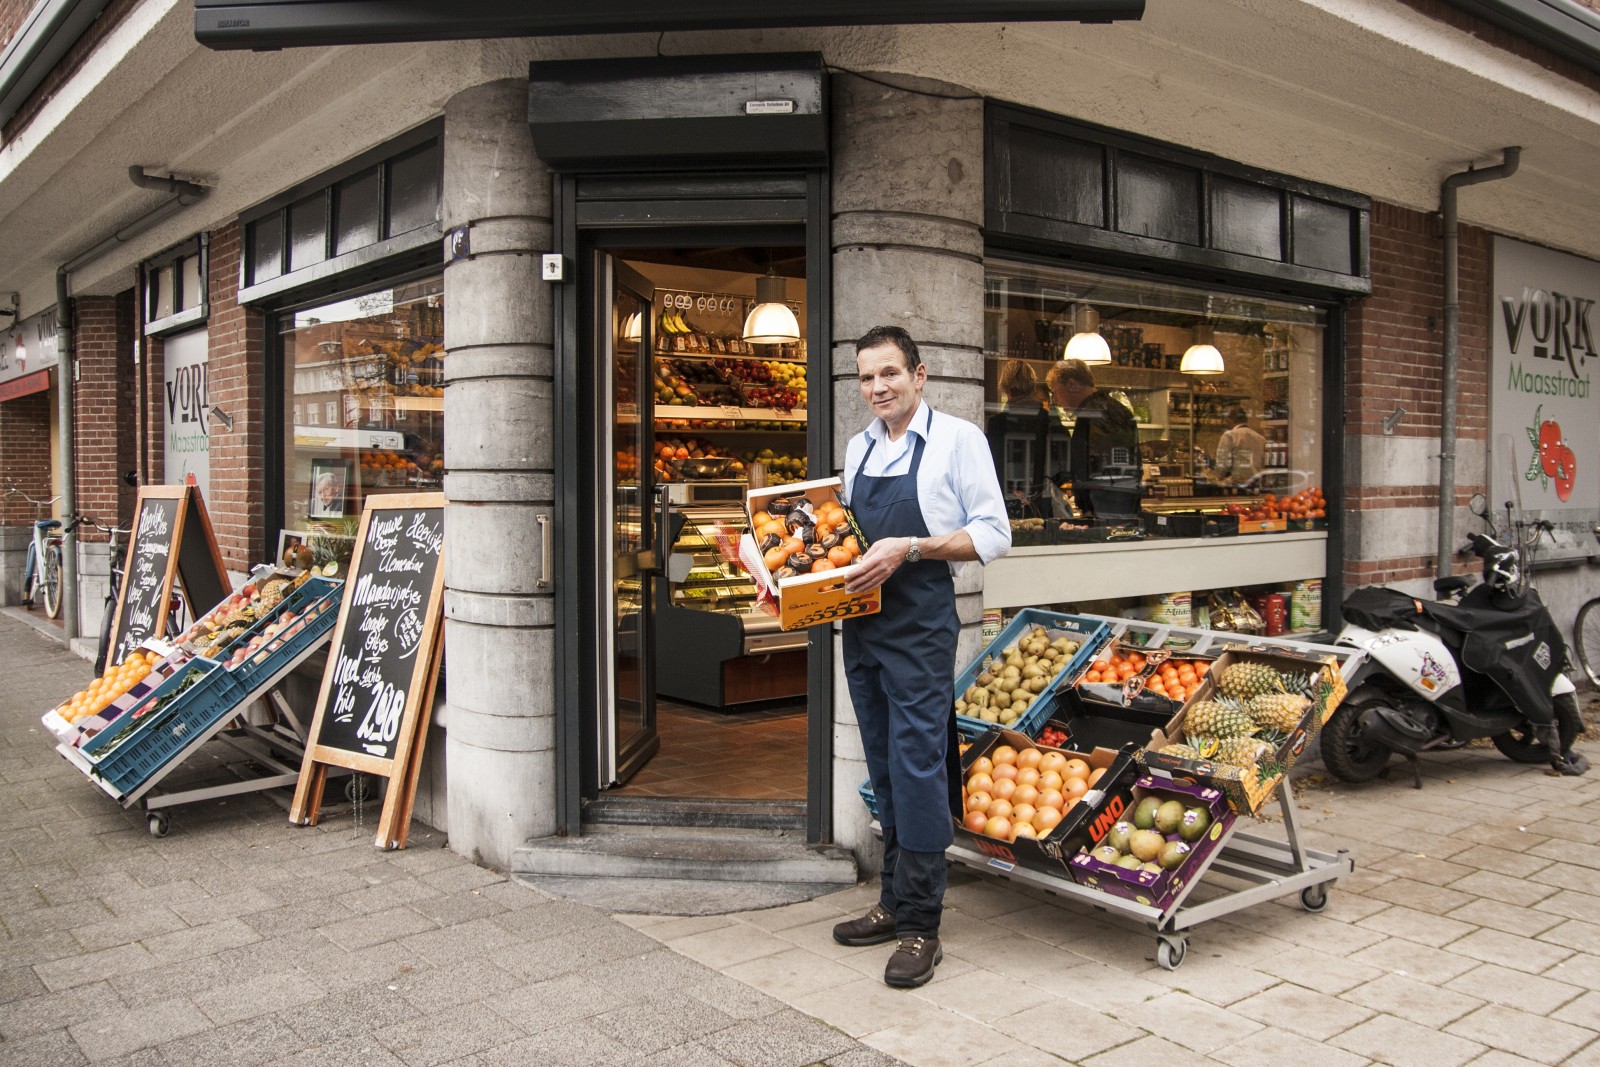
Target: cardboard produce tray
{"type": "Point", "coordinates": [1159, 889]}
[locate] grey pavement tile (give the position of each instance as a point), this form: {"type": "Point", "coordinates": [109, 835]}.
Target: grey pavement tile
{"type": "Point", "coordinates": [1566, 830]}
{"type": "Point", "coordinates": [693, 1013]}
{"type": "Point", "coordinates": [253, 994]}
{"type": "Point", "coordinates": [1420, 1002]}
{"type": "Point", "coordinates": [573, 1044]}
{"type": "Point", "coordinates": [35, 921]}
{"type": "Point", "coordinates": [434, 989]}
{"type": "Point", "coordinates": [477, 939]}
{"type": "Point", "coordinates": [387, 925]}
{"type": "Point", "coordinates": [794, 973]}
{"type": "Point", "coordinates": [1302, 1011]}
{"type": "Point", "coordinates": [785, 1038]}
{"type": "Point", "coordinates": [455, 875]}
{"type": "Point", "coordinates": [1421, 896]}
{"type": "Point", "coordinates": [204, 940]}
{"type": "Point", "coordinates": [544, 1004]}
{"type": "Point", "coordinates": [729, 945]}
{"type": "Point", "coordinates": [981, 994]}
{"type": "Point", "coordinates": [1562, 876]}
{"type": "Point", "coordinates": [1580, 970]}
{"type": "Point", "coordinates": [1189, 1022]}
{"type": "Point", "coordinates": [308, 915]}
{"type": "Point", "coordinates": [1508, 918]}
{"type": "Point", "coordinates": [865, 1057]}
{"type": "Point", "coordinates": [202, 910]}
{"type": "Point", "coordinates": [41, 948]}
{"type": "Point", "coordinates": [1099, 986]}
{"type": "Point", "coordinates": [1319, 971]}
{"type": "Point", "coordinates": [1522, 1033]}
{"type": "Point", "coordinates": [1415, 961]}
{"type": "Point", "coordinates": [53, 1049]}
{"type": "Point", "coordinates": [1215, 979]}
{"type": "Point", "coordinates": [112, 1033]}
{"type": "Point", "coordinates": [454, 909]}
{"type": "Point", "coordinates": [172, 979]}
{"type": "Point", "coordinates": [1423, 927]}
{"type": "Point", "coordinates": [1508, 950]}
{"type": "Point", "coordinates": [1275, 1048]}
{"type": "Point", "coordinates": [376, 896]}
{"type": "Point", "coordinates": [1488, 857]}
{"type": "Point", "coordinates": [243, 1044]}
{"type": "Point", "coordinates": [1570, 904]}
{"type": "Point", "coordinates": [1583, 936]}
{"type": "Point", "coordinates": [1569, 853]}
{"type": "Point", "coordinates": [1585, 1011]}
{"type": "Point", "coordinates": [514, 897]}
{"type": "Point", "coordinates": [18, 982]}
{"type": "Point", "coordinates": [123, 930]}
{"type": "Point", "coordinates": [351, 1013]}
{"type": "Point", "coordinates": [362, 1049]}
{"type": "Point", "coordinates": [1516, 989]}
{"type": "Point", "coordinates": [340, 968]}
{"type": "Point", "coordinates": [56, 1010]}
{"type": "Point", "coordinates": [1091, 1032]}
{"type": "Point", "coordinates": [1495, 1058]}
{"type": "Point", "coordinates": [1405, 1044]}
{"type": "Point", "coordinates": [946, 1042]}
{"type": "Point", "coordinates": [1140, 1053]}
{"type": "Point", "coordinates": [434, 1039]}
{"type": "Point", "coordinates": [1504, 887]}
{"type": "Point", "coordinates": [644, 1028]}
{"type": "Point", "coordinates": [94, 966]}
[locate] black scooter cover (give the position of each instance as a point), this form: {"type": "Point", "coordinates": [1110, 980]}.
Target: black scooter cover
{"type": "Point", "coordinates": [1512, 641]}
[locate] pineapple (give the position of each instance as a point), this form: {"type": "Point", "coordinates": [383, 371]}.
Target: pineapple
{"type": "Point", "coordinates": [1242, 751]}
{"type": "Point", "coordinates": [1219, 719]}
{"type": "Point", "coordinates": [1278, 712]}
{"type": "Point", "coordinates": [1245, 680]}
{"type": "Point", "coordinates": [1184, 752]}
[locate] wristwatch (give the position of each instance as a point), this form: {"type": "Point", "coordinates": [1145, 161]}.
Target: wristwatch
{"type": "Point", "coordinates": [914, 553]}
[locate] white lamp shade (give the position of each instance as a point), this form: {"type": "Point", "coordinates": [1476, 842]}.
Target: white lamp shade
{"type": "Point", "coordinates": [1202, 359]}
{"type": "Point", "coordinates": [1091, 348]}
{"type": "Point", "coordinates": [633, 327]}
{"type": "Point", "coordinates": [771, 324]}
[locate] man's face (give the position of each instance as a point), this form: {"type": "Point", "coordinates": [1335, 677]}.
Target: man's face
{"type": "Point", "coordinates": [891, 392]}
{"type": "Point", "coordinates": [1069, 394]}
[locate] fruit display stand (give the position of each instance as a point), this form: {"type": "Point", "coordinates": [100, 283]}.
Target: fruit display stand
{"type": "Point", "coordinates": [250, 666]}
{"type": "Point", "coordinates": [1241, 863]}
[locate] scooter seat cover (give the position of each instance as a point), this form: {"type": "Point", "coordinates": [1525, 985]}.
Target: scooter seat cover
{"type": "Point", "coordinates": [1512, 641]}
{"type": "Point", "coordinates": [1373, 607]}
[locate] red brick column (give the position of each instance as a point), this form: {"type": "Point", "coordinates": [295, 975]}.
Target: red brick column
{"type": "Point", "coordinates": [153, 423]}
{"type": "Point", "coordinates": [1395, 347]}
{"type": "Point", "coordinates": [105, 403]}
{"type": "Point", "coordinates": [25, 455]}
{"type": "Point", "coordinates": [238, 386]}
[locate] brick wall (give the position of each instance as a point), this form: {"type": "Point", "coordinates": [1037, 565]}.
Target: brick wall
{"type": "Point", "coordinates": [153, 425]}
{"type": "Point", "coordinates": [1396, 358]}
{"type": "Point", "coordinates": [25, 455]}
{"type": "Point", "coordinates": [12, 12]}
{"type": "Point", "coordinates": [238, 386]}
{"type": "Point", "coordinates": [105, 401]}
{"type": "Point", "coordinates": [114, 13]}
{"type": "Point", "coordinates": [1505, 39]}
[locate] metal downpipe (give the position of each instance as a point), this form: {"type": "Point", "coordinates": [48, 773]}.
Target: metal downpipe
{"type": "Point", "coordinates": [1452, 348]}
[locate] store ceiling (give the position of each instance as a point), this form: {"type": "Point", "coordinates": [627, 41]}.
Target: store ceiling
{"type": "Point", "coordinates": [1366, 95]}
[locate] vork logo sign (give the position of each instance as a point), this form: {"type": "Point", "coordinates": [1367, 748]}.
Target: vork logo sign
{"type": "Point", "coordinates": [186, 375]}
{"type": "Point", "coordinates": [1545, 354]}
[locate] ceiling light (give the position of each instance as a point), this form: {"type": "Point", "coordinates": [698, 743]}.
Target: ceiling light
{"type": "Point", "coordinates": [771, 322]}
{"type": "Point", "coordinates": [1086, 344]}
{"type": "Point", "coordinates": [1202, 357]}
{"type": "Point", "coordinates": [633, 327]}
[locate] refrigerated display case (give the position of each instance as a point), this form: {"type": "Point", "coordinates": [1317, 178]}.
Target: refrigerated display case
{"type": "Point", "coordinates": [714, 644]}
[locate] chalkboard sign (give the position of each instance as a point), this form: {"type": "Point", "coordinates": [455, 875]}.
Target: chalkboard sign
{"type": "Point", "coordinates": [172, 540]}
{"type": "Point", "coordinates": [377, 689]}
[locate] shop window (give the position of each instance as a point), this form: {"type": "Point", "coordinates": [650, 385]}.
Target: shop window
{"type": "Point", "coordinates": [266, 248]}
{"type": "Point", "coordinates": [308, 229]}
{"type": "Point", "coordinates": [367, 373]}
{"type": "Point", "coordinates": [1160, 200]}
{"type": "Point", "coordinates": [1136, 452]}
{"type": "Point", "coordinates": [355, 207]}
{"type": "Point", "coordinates": [175, 288]}
{"type": "Point", "coordinates": [1321, 235]}
{"type": "Point", "coordinates": [1245, 218]}
{"type": "Point", "coordinates": [414, 189]}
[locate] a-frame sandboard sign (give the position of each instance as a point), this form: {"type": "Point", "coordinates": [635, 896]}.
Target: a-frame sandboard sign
{"type": "Point", "coordinates": [383, 665]}
{"type": "Point", "coordinates": [172, 541]}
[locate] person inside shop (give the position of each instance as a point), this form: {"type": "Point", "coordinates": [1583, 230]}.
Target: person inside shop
{"type": "Point", "coordinates": [924, 494]}
{"type": "Point", "coordinates": [1103, 453]}
{"type": "Point", "coordinates": [1024, 416]}
{"type": "Point", "coordinates": [1241, 451]}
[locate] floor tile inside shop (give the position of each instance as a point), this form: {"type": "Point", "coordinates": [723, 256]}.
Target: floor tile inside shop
{"type": "Point", "coordinates": [754, 754]}
{"type": "Point", "coordinates": [1468, 934]}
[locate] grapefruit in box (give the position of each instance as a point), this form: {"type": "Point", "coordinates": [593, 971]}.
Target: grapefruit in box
{"type": "Point", "coordinates": [802, 543]}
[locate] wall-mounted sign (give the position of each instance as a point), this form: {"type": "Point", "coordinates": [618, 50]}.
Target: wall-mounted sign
{"type": "Point", "coordinates": [186, 400]}
{"type": "Point", "coordinates": [1545, 438]}
{"type": "Point", "coordinates": [29, 346]}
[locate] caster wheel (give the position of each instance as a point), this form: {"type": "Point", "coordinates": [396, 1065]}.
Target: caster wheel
{"type": "Point", "coordinates": [1314, 898]}
{"type": "Point", "coordinates": [1170, 951]}
{"type": "Point", "coordinates": [358, 788]}
{"type": "Point", "coordinates": [159, 824]}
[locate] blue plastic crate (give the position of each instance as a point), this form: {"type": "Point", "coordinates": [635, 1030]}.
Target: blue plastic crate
{"type": "Point", "coordinates": [317, 598]}
{"type": "Point", "coordinates": [869, 798]}
{"type": "Point", "coordinates": [1090, 635]}
{"type": "Point", "coordinates": [194, 710]}
{"type": "Point", "coordinates": [134, 705]}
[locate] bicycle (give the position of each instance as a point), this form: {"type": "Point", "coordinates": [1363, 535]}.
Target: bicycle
{"type": "Point", "coordinates": [41, 569]}
{"type": "Point", "coordinates": [117, 549]}
{"type": "Point", "coordinates": [1586, 635]}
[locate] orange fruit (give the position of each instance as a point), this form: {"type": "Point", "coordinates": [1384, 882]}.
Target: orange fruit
{"type": "Point", "coordinates": [839, 556]}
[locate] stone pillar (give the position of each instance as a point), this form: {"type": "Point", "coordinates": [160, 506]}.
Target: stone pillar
{"type": "Point", "coordinates": [907, 251]}
{"type": "Point", "coordinates": [499, 477]}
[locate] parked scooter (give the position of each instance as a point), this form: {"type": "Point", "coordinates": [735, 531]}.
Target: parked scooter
{"type": "Point", "coordinates": [1439, 674]}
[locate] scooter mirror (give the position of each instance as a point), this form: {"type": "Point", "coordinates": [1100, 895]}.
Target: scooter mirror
{"type": "Point", "coordinates": [1479, 505]}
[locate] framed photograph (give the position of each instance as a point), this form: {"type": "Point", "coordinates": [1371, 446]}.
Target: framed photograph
{"type": "Point", "coordinates": [330, 485]}
{"type": "Point", "coordinates": [290, 544]}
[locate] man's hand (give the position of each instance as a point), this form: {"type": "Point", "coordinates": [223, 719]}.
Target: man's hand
{"type": "Point", "coordinates": [881, 559]}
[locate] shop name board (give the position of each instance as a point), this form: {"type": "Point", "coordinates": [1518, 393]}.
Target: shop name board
{"type": "Point", "coordinates": [1545, 447]}
{"type": "Point", "coordinates": [186, 384]}
{"type": "Point", "coordinates": [28, 346]}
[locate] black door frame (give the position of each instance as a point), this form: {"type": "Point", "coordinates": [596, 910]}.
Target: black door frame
{"type": "Point", "coordinates": [687, 208]}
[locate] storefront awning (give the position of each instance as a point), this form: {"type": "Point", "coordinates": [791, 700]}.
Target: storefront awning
{"type": "Point", "coordinates": [28, 384]}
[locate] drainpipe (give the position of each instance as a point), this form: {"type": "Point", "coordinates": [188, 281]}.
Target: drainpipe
{"type": "Point", "coordinates": [1452, 347]}
{"type": "Point", "coordinates": [183, 194]}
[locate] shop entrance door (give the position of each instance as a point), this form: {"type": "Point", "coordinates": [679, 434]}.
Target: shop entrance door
{"type": "Point", "coordinates": [625, 487]}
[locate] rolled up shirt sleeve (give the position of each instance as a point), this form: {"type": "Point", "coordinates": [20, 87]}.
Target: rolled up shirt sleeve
{"type": "Point", "coordinates": [978, 491]}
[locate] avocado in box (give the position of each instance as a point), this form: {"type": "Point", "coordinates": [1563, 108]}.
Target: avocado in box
{"type": "Point", "coordinates": [1248, 722]}
{"type": "Point", "coordinates": [1057, 826]}
{"type": "Point", "coordinates": [1160, 847]}
{"type": "Point", "coordinates": [802, 543]}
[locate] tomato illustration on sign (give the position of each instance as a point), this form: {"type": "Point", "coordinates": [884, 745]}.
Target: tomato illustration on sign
{"type": "Point", "coordinates": [1552, 456]}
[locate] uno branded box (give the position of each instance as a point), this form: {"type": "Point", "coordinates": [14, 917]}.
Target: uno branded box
{"type": "Point", "coordinates": [800, 543]}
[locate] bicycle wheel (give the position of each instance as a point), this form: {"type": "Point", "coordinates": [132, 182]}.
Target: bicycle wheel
{"type": "Point", "coordinates": [1586, 636]}
{"type": "Point", "coordinates": [50, 579]}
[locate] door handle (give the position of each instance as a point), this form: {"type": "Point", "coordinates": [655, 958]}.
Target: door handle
{"type": "Point", "coordinates": [543, 581]}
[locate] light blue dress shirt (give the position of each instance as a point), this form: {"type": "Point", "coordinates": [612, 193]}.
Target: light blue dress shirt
{"type": "Point", "coordinates": [956, 484]}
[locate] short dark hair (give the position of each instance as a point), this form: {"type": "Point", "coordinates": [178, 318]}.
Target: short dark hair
{"type": "Point", "coordinates": [891, 335]}
{"type": "Point", "coordinates": [1075, 371]}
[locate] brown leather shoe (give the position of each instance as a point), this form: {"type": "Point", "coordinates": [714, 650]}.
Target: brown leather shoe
{"type": "Point", "coordinates": [873, 928]}
{"type": "Point", "coordinates": [913, 962]}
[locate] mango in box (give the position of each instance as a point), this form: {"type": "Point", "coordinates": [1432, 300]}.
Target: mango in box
{"type": "Point", "coordinates": [803, 544]}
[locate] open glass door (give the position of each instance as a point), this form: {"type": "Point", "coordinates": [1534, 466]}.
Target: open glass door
{"type": "Point", "coordinates": [627, 562]}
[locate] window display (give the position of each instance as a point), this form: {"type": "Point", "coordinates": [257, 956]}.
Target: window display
{"type": "Point", "coordinates": [364, 410]}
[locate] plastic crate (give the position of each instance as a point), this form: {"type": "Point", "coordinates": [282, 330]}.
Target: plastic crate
{"type": "Point", "coordinates": [1090, 635]}
{"type": "Point", "coordinates": [194, 710]}
{"type": "Point", "coordinates": [316, 597]}
{"type": "Point", "coordinates": [869, 798]}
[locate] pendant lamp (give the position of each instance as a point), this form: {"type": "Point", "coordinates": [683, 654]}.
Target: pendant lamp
{"type": "Point", "coordinates": [1202, 357]}
{"type": "Point", "coordinates": [633, 327]}
{"type": "Point", "coordinates": [771, 322]}
{"type": "Point", "coordinates": [1086, 344]}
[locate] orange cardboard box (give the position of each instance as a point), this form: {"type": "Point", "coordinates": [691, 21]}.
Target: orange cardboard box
{"type": "Point", "coordinates": [806, 599]}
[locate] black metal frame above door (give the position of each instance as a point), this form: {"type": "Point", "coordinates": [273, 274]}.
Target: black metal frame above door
{"type": "Point", "coordinates": [593, 211]}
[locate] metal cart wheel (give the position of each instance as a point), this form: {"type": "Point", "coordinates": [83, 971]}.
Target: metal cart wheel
{"type": "Point", "coordinates": [1314, 897]}
{"type": "Point", "coordinates": [1170, 950]}
{"type": "Point", "coordinates": [358, 788]}
{"type": "Point", "coordinates": [160, 825]}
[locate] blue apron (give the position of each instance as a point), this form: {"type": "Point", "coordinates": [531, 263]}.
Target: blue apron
{"type": "Point", "coordinates": [900, 664]}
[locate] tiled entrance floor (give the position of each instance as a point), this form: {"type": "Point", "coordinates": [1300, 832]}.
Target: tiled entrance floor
{"type": "Point", "coordinates": [737, 755]}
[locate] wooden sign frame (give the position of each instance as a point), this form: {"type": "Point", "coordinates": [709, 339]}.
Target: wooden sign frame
{"type": "Point", "coordinates": [191, 505]}
{"type": "Point", "coordinates": [404, 766]}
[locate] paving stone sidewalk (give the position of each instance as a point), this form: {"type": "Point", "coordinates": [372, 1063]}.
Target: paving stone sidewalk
{"type": "Point", "coordinates": [240, 940]}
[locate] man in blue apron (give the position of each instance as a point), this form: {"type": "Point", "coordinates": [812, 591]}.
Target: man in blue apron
{"type": "Point", "coordinates": [922, 487]}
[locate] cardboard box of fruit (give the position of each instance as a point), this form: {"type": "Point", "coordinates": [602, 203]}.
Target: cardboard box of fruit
{"type": "Point", "coordinates": [1247, 724]}
{"type": "Point", "coordinates": [1161, 847]}
{"type": "Point", "coordinates": [1069, 800]}
{"type": "Point", "coordinates": [1013, 681]}
{"type": "Point", "coordinates": [801, 544]}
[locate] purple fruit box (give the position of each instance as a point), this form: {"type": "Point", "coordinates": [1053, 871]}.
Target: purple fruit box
{"type": "Point", "coordinates": [1151, 888]}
